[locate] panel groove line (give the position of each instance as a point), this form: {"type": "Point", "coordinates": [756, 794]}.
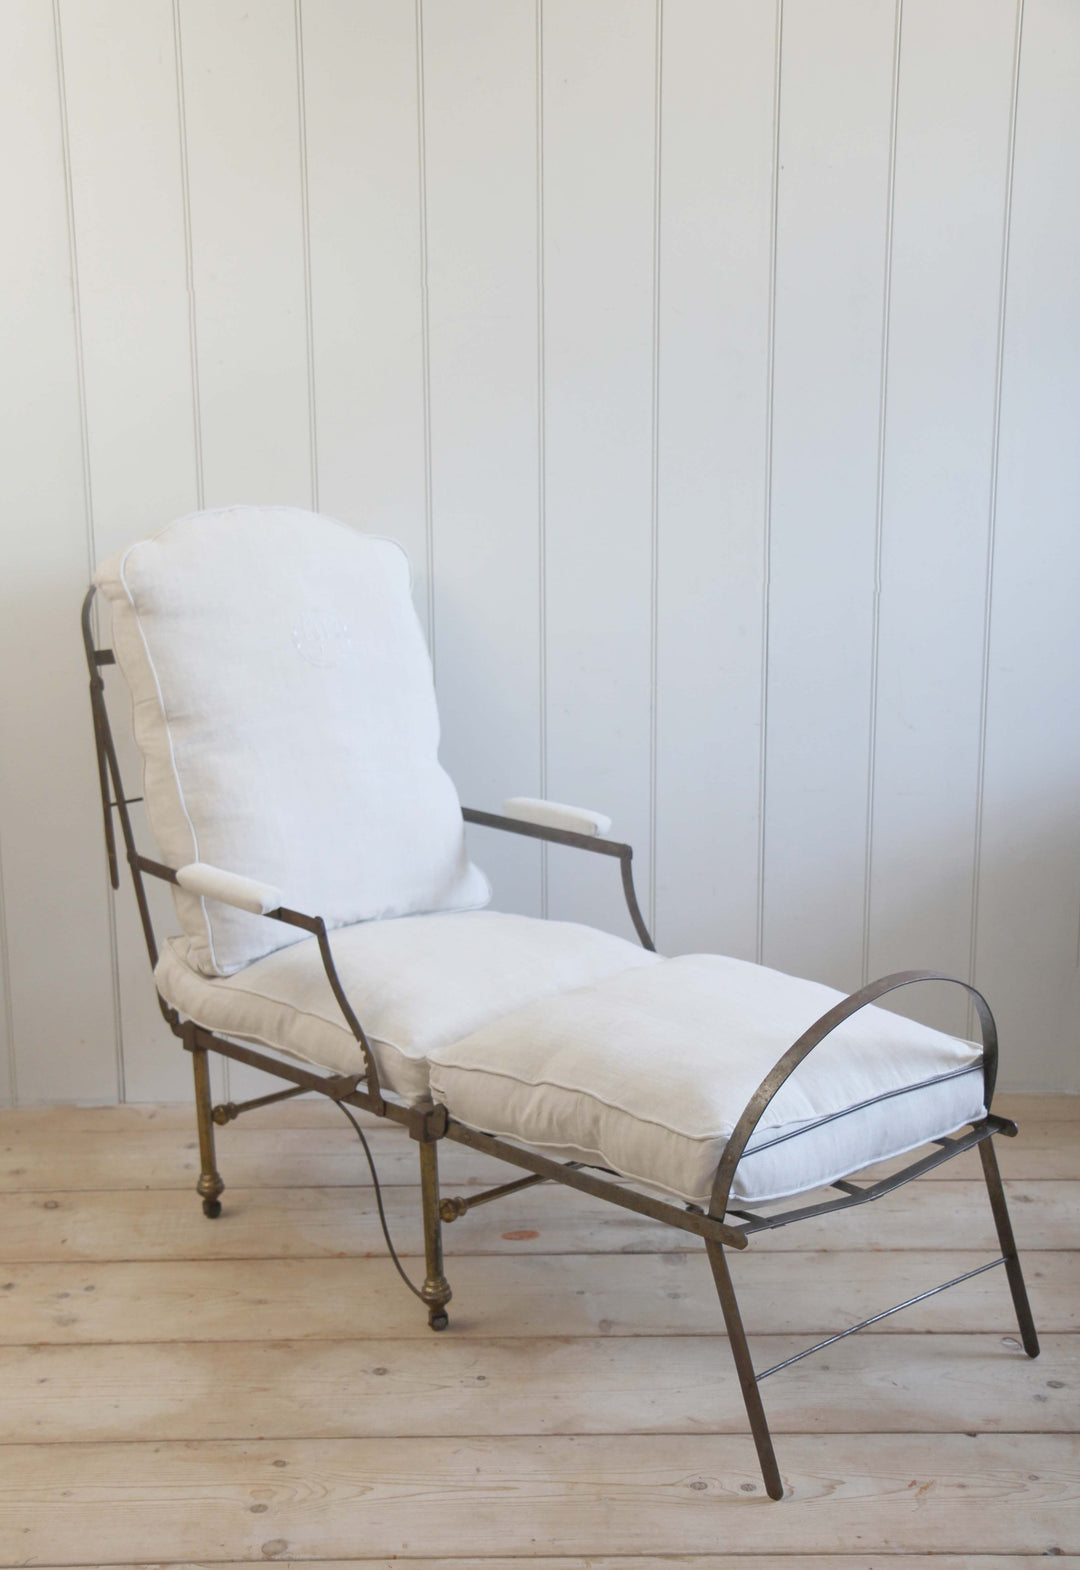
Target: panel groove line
{"type": "Point", "coordinates": [654, 479]}
{"type": "Point", "coordinates": [541, 446]}
{"type": "Point", "coordinates": [766, 539]}
{"type": "Point", "coordinates": [189, 262]}
{"type": "Point", "coordinates": [305, 228]}
{"type": "Point", "coordinates": [879, 511]}
{"type": "Point", "coordinates": [991, 522]}
{"type": "Point", "coordinates": [87, 486]}
{"type": "Point", "coordinates": [425, 327]}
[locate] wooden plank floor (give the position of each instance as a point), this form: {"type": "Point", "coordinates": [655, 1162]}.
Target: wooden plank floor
{"type": "Point", "coordinates": [263, 1389]}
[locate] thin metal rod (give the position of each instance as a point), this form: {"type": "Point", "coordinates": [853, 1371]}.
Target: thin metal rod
{"type": "Point", "coordinates": [829, 1340]}
{"type": "Point", "coordinates": [453, 1208]}
{"type": "Point", "coordinates": [226, 1111]}
{"type": "Point", "coordinates": [1028, 1334]}
{"type": "Point", "coordinates": [571, 1177]}
{"type": "Point", "coordinates": [744, 1367]}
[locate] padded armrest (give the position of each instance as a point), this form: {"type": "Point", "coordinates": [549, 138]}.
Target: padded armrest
{"type": "Point", "coordinates": [198, 877]}
{"type": "Point", "coordinates": [554, 815]}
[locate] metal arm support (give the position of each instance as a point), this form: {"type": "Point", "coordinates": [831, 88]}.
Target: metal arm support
{"type": "Point", "coordinates": [317, 926]}
{"type": "Point", "coordinates": [786, 1066]}
{"type": "Point", "coordinates": [599, 847]}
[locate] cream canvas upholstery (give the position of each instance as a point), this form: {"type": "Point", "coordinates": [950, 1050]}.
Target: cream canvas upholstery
{"type": "Point", "coordinates": [648, 1071]}
{"type": "Point", "coordinates": [415, 983]}
{"type": "Point", "coordinates": [284, 709]}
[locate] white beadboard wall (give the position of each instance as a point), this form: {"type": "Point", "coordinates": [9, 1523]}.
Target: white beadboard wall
{"type": "Point", "coordinates": [716, 361]}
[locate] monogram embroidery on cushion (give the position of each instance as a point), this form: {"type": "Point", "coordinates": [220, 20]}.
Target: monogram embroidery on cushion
{"type": "Point", "coordinates": [322, 638]}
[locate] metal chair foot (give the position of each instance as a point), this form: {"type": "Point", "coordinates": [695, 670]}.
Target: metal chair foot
{"type": "Point", "coordinates": [1024, 1317]}
{"type": "Point", "coordinates": [436, 1289]}
{"type": "Point", "coordinates": [740, 1351]}
{"type": "Point", "coordinates": [210, 1185]}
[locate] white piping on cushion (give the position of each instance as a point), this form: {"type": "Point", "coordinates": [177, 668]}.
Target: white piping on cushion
{"type": "Point", "coordinates": [805, 1125]}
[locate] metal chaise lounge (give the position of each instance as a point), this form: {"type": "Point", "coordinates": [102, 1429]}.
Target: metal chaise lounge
{"type": "Point", "coordinates": [284, 710]}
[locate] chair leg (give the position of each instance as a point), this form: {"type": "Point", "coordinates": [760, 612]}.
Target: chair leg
{"type": "Point", "coordinates": [1000, 1209]}
{"type": "Point", "coordinates": [210, 1185]}
{"type": "Point", "coordinates": [436, 1289]}
{"type": "Point", "coordinates": [744, 1367]}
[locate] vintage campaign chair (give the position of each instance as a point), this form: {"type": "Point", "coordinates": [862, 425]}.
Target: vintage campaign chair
{"type": "Point", "coordinates": [283, 706]}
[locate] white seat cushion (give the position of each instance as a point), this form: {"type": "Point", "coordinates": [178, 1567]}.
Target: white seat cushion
{"type": "Point", "coordinates": [284, 708]}
{"type": "Point", "coordinates": [648, 1072]}
{"type": "Point", "coordinates": [414, 983]}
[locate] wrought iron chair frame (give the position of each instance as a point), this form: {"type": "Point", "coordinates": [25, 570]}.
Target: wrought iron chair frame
{"type": "Point", "coordinates": [429, 1125]}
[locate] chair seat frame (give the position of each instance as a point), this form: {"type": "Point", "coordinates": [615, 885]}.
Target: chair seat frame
{"type": "Point", "coordinates": [722, 1226]}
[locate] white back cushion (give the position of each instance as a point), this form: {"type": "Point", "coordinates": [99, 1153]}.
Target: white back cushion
{"type": "Point", "coordinates": [284, 708]}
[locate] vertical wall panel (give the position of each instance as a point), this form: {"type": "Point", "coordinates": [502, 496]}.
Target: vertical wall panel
{"type": "Point", "coordinates": [599, 87]}
{"type": "Point", "coordinates": [241, 93]}
{"type": "Point", "coordinates": [58, 941]}
{"type": "Point", "coordinates": [835, 100]}
{"type": "Point", "coordinates": [120, 70]}
{"type": "Point", "coordinates": [719, 105]}
{"type": "Point", "coordinates": [1029, 884]}
{"type": "Point", "coordinates": [948, 214]}
{"type": "Point", "coordinates": [480, 116]}
{"type": "Point", "coordinates": [360, 77]}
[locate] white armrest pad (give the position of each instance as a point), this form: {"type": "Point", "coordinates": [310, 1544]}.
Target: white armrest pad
{"type": "Point", "coordinates": [554, 815]}
{"type": "Point", "coordinates": [229, 887]}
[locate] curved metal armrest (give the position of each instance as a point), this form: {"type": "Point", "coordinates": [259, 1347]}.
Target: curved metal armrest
{"type": "Point", "coordinates": [247, 894]}
{"type": "Point", "coordinates": [591, 841]}
{"type": "Point", "coordinates": [786, 1066]}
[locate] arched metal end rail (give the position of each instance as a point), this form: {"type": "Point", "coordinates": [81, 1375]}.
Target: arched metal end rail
{"type": "Point", "coordinates": [786, 1066]}
{"type": "Point", "coordinates": [980, 1134]}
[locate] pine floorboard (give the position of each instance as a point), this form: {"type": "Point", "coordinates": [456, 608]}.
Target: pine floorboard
{"type": "Point", "coordinates": [262, 1389]}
